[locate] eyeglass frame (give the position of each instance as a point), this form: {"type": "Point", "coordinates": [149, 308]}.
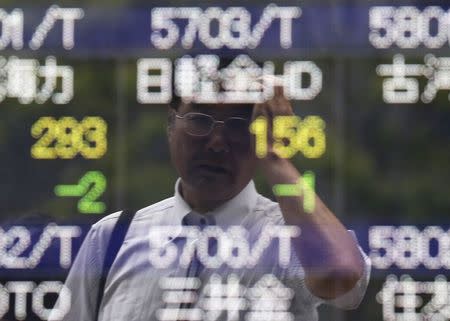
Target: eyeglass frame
{"type": "Point", "coordinates": [213, 124]}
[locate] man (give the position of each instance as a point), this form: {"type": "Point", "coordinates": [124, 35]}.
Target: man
{"type": "Point", "coordinates": [213, 153]}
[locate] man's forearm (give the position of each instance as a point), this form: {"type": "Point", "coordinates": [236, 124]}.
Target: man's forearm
{"type": "Point", "coordinates": [328, 253]}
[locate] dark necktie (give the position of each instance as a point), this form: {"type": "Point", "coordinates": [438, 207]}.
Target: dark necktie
{"type": "Point", "coordinates": [196, 267]}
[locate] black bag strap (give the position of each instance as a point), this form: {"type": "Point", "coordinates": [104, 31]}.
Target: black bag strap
{"type": "Point", "coordinates": [115, 242]}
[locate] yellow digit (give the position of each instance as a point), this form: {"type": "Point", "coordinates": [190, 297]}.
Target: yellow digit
{"type": "Point", "coordinates": [311, 139]}
{"type": "Point", "coordinates": [95, 143]}
{"type": "Point", "coordinates": [285, 128]}
{"type": "Point", "coordinates": [45, 131]}
{"type": "Point", "coordinates": [69, 138]}
{"type": "Point", "coordinates": [259, 128]}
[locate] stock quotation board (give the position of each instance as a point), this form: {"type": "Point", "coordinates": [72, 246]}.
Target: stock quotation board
{"type": "Point", "coordinates": [84, 95]}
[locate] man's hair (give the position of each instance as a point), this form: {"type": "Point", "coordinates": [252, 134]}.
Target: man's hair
{"type": "Point", "coordinates": [226, 57]}
{"type": "Point", "coordinates": [175, 103]}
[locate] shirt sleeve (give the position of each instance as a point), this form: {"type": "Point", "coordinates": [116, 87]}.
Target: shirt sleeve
{"type": "Point", "coordinates": [82, 281]}
{"type": "Point", "coordinates": [347, 301]}
{"type": "Point", "coordinates": [353, 298]}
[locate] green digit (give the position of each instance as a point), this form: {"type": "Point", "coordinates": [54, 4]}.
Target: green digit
{"type": "Point", "coordinates": [309, 196]}
{"type": "Point", "coordinates": [305, 186]}
{"type": "Point", "coordinates": [88, 204]}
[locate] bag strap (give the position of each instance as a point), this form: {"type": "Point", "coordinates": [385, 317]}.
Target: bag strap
{"type": "Point", "coordinates": [117, 237]}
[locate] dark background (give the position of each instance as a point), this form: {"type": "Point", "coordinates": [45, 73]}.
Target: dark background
{"type": "Point", "coordinates": [385, 164]}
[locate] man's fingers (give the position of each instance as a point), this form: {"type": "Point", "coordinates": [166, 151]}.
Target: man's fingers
{"type": "Point", "coordinates": [279, 105]}
{"type": "Point", "coordinates": [279, 91]}
{"type": "Point", "coordinates": [262, 109]}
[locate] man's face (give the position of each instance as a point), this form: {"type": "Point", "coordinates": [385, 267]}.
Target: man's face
{"type": "Point", "coordinates": [216, 166]}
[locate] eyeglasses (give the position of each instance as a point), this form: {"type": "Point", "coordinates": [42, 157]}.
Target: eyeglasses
{"type": "Point", "coordinates": [198, 124]}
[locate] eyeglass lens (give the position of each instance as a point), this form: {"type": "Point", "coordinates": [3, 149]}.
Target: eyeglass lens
{"type": "Point", "coordinates": [201, 125]}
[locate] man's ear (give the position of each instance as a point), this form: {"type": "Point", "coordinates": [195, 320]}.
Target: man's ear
{"type": "Point", "coordinates": [169, 132]}
{"type": "Point", "coordinates": [170, 123]}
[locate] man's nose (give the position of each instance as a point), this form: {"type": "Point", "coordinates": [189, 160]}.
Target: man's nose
{"type": "Point", "coordinates": [217, 140]}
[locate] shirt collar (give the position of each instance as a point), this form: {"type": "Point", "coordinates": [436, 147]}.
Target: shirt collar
{"type": "Point", "coordinates": [231, 212]}
{"type": "Point", "coordinates": [180, 208]}
{"type": "Point", "coordinates": [236, 209]}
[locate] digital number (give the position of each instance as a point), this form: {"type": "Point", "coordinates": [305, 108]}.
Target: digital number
{"type": "Point", "coordinates": [380, 242]}
{"type": "Point", "coordinates": [285, 127]}
{"type": "Point", "coordinates": [305, 187]}
{"type": "Point", "coordinates": [233, 246]}
{"type": "Point", "coordinates": [259, 128]}
{"type": "Point", "coordinates": [408, 27]}
{"type": "Point", "coordinates": [18, 252]}
{"type": "Point", "coordinates": [311, 137]}
{"type": "Point", "coordinates": [90, 187]}
{"type": "Point", "coordinates": [95, 142]}
{"type": "Point", "coordinates": [407, 247]}
{"type": "Point", "coordinates": [44, 129]}
{"type": "Point", "coordinates": [95, 184]}
{"type": "Point", "coordinates": [12, 245]}
{"type": "Point", "coordinates": [66, 137]}
{"type": "Point", "coordinates": [290, 135]}
{"type": "Point", "coordinates": [234, 26]}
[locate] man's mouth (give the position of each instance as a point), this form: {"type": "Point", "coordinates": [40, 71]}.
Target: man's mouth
{"type": "Point", "coordinates": [213, 169]}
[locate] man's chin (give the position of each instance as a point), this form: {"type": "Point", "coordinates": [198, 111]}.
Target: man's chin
{"type": "Point", "coordinates": [212, 181]}
{"type": "Point", "coordinates": [214, 185]}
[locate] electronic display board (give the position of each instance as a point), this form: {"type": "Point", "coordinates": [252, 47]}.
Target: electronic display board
{"type": "Point", "coordinates": [84, 90]}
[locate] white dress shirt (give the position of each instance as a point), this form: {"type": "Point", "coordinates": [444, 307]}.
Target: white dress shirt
{"type": "Point", "coordinates": [133, 288]}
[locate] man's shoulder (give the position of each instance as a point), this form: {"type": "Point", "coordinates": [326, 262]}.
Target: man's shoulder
{"type": "Point", "coordinates": [107, 223]}
{"type": "Point", "coordinates": [155, 208]}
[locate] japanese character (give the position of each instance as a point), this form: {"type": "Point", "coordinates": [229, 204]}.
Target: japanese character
{"type": "Point", "coordinates": [270, 300]}
{"type": "Point", "coordinates": [438, 73]}
{"type": "Point", "coordinates": [399, 88]}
